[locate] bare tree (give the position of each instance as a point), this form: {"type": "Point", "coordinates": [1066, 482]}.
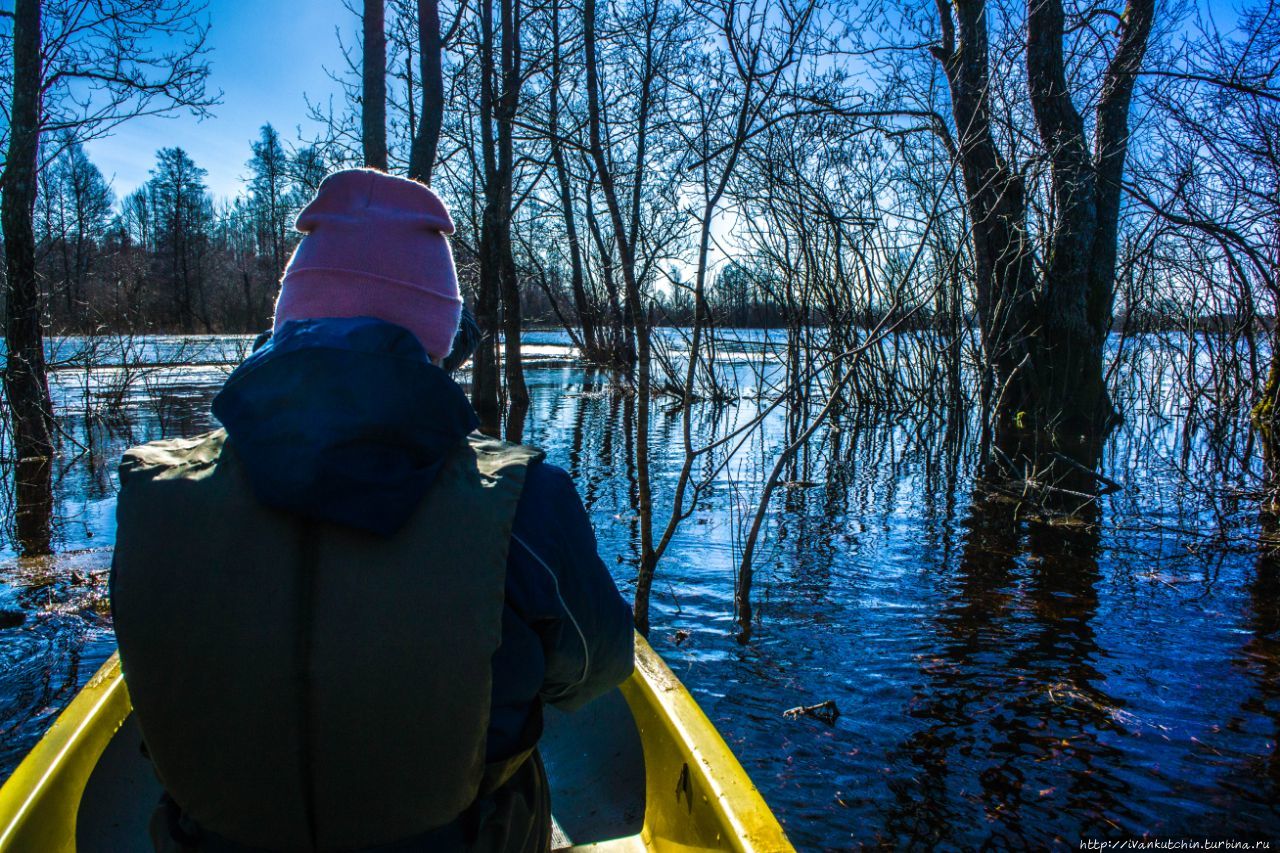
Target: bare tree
{"type": "Point", "coordinates": [373, 114]}
{"type": "Point", "coordinates": [25, 382]}
{"type": "Point", "coordinates": [497, 312]}
{"type": "Point", "coordinates": [1044, 321]}
{"type": "Point", "coordinates": [426, 137]}
{"type": "Point", "coordinates": [1214, 185]}
{"type": "Point", "coordinates": [624, 239]}
{"type": "Point", "coordinates": [80, 68]}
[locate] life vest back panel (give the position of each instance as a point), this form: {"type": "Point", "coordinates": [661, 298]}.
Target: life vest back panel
{"type": "Point", "coordinates": [302, 685]}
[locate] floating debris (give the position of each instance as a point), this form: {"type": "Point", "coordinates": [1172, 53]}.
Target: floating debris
{"type": "Point", "coordinates": [826, 711]}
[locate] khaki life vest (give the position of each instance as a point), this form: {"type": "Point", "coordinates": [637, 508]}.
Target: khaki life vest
{"type": "Point", "coordinates": [302, 685]}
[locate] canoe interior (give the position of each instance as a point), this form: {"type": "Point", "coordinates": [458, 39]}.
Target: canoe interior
{"type": "Point", "coordinates": [640, 769]}
{"type": "Point", "coordinates": [594, 760]}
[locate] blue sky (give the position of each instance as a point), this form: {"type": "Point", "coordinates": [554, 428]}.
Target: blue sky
{"type": "Point", "coordinates": [266, 54]}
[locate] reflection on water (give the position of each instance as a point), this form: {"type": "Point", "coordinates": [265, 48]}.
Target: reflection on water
{"type": "Point", "coordinates": [1259, 658]}
{"type": "Point", "coordinates": [1009, 701]}
{"type": "Point", "coordinates": [33, 504]}
{"type": "Point", "coordinates": [1002, 681]}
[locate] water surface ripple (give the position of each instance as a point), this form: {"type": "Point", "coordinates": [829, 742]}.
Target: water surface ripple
{"type": "Point", "coordinates": [1000, 683]}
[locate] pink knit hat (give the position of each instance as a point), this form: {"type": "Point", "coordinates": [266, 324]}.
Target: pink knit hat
{"type": "Point", "coordinates": [375, 247]}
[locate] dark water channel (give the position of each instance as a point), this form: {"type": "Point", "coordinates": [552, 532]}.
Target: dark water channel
{"type": "Point", "coordinates": [1001, 683]}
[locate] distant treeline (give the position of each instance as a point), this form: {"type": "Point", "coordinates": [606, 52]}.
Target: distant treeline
{"type": "Point", "coordinates": [1139, 321]}
{"type": "Point", "coordinates": [170, 258]}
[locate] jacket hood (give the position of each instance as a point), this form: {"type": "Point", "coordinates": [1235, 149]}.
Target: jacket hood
{"type": "Point", "coordinates": [343, 420]}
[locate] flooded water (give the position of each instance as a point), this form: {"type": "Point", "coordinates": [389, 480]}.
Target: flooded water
{"type": "Point", "coordinates": [1000, 682]}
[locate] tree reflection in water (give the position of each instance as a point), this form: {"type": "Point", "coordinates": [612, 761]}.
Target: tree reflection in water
{"type": "Point", "coordinates": [33, 505]}
{"type": "Point", "coordinates": [1012, 705]}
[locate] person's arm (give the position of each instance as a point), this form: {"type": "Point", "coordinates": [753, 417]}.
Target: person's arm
{"type": "Point", "coordinates": [567, 595]}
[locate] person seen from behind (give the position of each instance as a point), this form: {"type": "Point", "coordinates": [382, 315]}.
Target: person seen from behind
{"type": "Point", "coordinates": [341, 614]}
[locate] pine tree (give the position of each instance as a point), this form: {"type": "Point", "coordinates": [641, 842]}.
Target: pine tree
{"type": "Point", "coordinates": [269, 198]}
{"type": "Point", "coordinates": [181, 211]}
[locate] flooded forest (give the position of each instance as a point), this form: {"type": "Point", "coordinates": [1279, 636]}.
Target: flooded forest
{"type": "Point", "coordinates": [916, 363]}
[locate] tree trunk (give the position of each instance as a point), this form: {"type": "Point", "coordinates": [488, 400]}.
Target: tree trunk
{"type": "Point", "coordinates": [1067, 365]}
{"type": "Point", "coordinates": [1110, 149]}
{"type": "Point", "coordinates": [591, 344]}
{"type": "Point", "coordinates": [426, 141]}
{"type": "Point", "coordinates": [373, 111]}
{"type": "Point", "coordinates": [517, 390]}
{"type": "Point", "coordinates": [68, 286]}
{"type": "Point", "coordinates": [25, 382]}
{"type": "Point", "coordinates": [996, 200]}
{"type": "Point", "coordinates": [1079, 277]}
{"type": "Point", "coordinates": [635, 309]}
{"type": "Point", "coordinates": [621, 340]}
{"type": "Point", "coordinates": [484, 372]}
{"type": "Point", "coordinates": [1044, 338]}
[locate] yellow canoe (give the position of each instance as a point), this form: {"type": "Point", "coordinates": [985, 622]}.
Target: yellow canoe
{"type": "Point", "coordinates": [642, 768]}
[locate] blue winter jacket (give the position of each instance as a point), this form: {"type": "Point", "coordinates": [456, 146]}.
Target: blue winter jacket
{"type": "Point", "coordinates": [376, 419]}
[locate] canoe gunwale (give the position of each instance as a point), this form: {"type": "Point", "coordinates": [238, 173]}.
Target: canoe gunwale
{"type": "Point", "coordinates": [39, 802]}
{"type": "Point", "coordinates": [689, 768]}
